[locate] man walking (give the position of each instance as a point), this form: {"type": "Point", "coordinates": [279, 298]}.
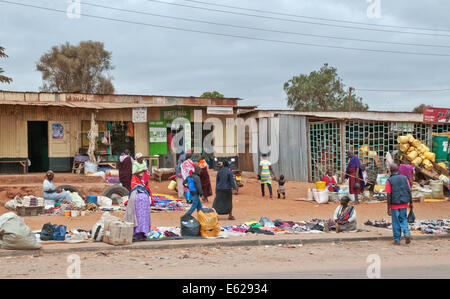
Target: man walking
{"type": "Point", "coordinates": [399, 197]}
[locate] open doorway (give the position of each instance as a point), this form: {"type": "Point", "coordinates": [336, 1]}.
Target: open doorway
{"type": "Point", "coordinates": [38, 146]}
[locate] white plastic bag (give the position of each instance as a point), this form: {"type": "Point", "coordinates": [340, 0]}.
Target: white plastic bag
{"type": "Point", "coordinates": [15, 234]}
{"type": "Point", "coordinates": [103, 201]}
{"type": "Point", "coordinates": [77, 200]}
{"type": "Point", "coordinates": [98, 228]}
{"type": "Point", "coordinates": [90, 167]}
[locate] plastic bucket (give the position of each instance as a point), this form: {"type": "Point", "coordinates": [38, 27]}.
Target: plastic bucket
{"type": "Point", "coordinates": [321, 185]}
{"type": "Point", "coordinates": [91, 199]}
{"type": "Point", "coordinates": [67, 213]}
{"type": "Point", "coordinates": [172, 185]}
{"type": "Point", "coordinates": [403, 139]}
{"type": "Point", "coordinates": [320, 196]}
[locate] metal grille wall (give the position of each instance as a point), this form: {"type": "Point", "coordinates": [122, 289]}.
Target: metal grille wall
{"type": "Point", "coordinates": [441, 128]}
{"type": "Point", "coordinates": [370, 140]}
{"type": "Point", "coordinates": [324, 148]}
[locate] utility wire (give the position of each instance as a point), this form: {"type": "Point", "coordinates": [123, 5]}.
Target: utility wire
{"type": "Point", "coordinates": [263, 29]}
{"type": "Point", "coordinates": [297, 21]}
{"type": "Point", "coordinates": [316, 18]}
{"type": "Point", "coordinates": [403, 90]}
{"type": "Point", "coordinates": [231, 35]}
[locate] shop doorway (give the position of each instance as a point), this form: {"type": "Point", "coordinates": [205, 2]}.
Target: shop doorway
{"type": "Point", "coordinates": [38, 146]}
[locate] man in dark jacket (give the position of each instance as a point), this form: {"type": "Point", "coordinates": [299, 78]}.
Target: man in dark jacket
{"type": "Point", "coordinates": [399, 197]}
{"type": "Point", "coordinates": [195, 189]}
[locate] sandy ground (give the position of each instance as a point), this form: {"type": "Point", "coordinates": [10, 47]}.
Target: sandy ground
{"type": "Point", "coordinates": [248, 205]}
{"type": "Point", "coordinates": [420, 259]}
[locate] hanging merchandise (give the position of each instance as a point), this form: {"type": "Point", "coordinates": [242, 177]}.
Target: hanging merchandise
{"type": "Point", "coordinates": [105, 138]}
{"type": "Point", "coordinates": [130, 131]}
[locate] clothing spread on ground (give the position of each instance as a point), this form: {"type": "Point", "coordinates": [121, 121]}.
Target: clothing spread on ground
{"type": "Point", "coordinates": [418, 227]}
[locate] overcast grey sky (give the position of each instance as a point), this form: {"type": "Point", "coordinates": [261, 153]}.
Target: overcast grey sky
{"type": "Point", "coordinates": [160, 61]}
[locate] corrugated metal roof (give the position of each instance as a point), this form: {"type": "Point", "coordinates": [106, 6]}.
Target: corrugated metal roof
{"type": "Point", "coordinates": [367, 115]}
{"type": "Point", "coordinates": [101, 106]}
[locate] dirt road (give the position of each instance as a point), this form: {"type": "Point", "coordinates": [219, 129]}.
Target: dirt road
{"type": "Point", "coordinates": [248, 205]}
{"type": "Point", "coordinates": [420, 259]}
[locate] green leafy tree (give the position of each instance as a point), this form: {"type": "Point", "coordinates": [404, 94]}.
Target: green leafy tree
{"type": "Point", "coordinates": [82, 68]}
{"type": "Point", "coordinates": [419, 109]}
{"type": "Point", "coordinates": [3, 79]}
{"type": "Point", "coordinates": [212, 94]}
{"type": "Point", "coordinates": [321, 90]}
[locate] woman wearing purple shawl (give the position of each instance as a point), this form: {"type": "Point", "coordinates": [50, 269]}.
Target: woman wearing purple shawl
{"type": "Point", "coordinates": [354, 175]}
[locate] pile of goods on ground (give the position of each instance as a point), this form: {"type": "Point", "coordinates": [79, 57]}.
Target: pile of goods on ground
{"type": "Point", "coordinates": [427, 168]}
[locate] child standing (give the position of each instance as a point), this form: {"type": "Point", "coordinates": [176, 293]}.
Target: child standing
{"type": "Point", "coordinates": [281, 190]}
{"type": "Point", "coordinates": [195, 190]}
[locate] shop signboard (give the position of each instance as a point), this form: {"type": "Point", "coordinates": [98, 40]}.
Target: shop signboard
{"type": "Point", "coordinates": [436, 115]}
{"type": "Point", "coordinates": [157, 137]}
{"type": "Point", "coordinates": [169, 114]}
{"type": "Point", "coordinates": [139, 115]}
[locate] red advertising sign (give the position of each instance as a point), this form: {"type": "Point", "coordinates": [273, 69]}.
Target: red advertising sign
{"type": "Point", "coordinates": [436, 115]}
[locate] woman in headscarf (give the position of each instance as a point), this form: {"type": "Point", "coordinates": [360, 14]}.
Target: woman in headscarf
{"type": "Point", "coordinates": [354, 175]}
{"type": "Point", "coordinates": [204, 177]}
{"type": "Point", "coordinates": [138, 207]}
{"type": "Point", "coordinates": [140, 169]}
{"type": "Point", "coordinates": [344, 218]}
{"type": "Point", "coordinates": [125, 167]}
{"type": "Point", "coordinates": [50, 191]}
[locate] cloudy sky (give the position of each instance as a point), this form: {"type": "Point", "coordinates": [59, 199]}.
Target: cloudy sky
{"type": "Point", "coordinates": [157, 55]}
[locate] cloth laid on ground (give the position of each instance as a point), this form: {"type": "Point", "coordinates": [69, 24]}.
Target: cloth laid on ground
{"type": "Point", "coordinates": [166, 203]}
{"type": "Point", "coordinates": [431, 226]}
{"type": "Point", "coordinates": [379, 223]}
{"type": "Point", "coordinates": [419, 226]}
{"type": "Point", "coordinates": [26, 201]}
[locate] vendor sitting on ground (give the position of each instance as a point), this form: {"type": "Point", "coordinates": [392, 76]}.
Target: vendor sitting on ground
{"type": "Point", "coordinates": [328, 178]}
{"type": "Point", "coordinates": [344, 217]}
{"type": "Point", "coordinates": [50, 191]}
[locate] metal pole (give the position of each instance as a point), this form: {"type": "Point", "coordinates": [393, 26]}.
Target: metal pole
{"type": "Point", "coordinates": [350, 98]}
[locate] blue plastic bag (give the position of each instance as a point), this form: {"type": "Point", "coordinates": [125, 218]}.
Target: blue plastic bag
{"type": "Point", "coordinates": [59, 232]}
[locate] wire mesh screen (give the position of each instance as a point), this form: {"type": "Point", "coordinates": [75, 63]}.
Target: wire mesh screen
{"type": "Point", "coordinates": [371, 141]}
{"type": "Point", "coordinates": [441, 129]}
{"type": "Point", "coordinates": [325, 148]}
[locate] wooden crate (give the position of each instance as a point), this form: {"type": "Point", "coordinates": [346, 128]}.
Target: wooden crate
{"type": "Point", "coordinates": [30, 211]}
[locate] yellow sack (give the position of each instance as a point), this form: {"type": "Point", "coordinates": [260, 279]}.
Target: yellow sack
{"type": "Point", "coordinates": [209, 222]}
